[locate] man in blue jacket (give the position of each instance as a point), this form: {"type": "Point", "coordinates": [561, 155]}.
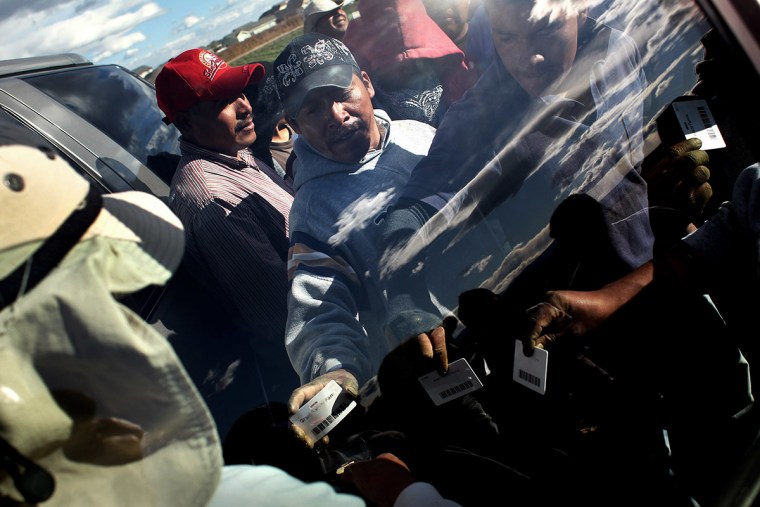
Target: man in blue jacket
{"type": "Point", "coordinates": [351, 162]}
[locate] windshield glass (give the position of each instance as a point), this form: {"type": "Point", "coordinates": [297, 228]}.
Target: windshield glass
{"type": "Point", "coordinates": [511, 242]}
{"type": "Point", "coordinates": [519, 149]}
{"type": "Point", "coordinates": [133, 121]}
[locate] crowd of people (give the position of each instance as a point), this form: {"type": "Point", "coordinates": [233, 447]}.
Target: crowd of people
{"type": "Point", "coordinates": [430, 184]}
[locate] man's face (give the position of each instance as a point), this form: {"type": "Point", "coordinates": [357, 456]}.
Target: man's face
{"type": "Point", "coordinates": [333, 24]}
{"type": "Point", "coordinates": [450, 15]}
{"type": "Point", "coordinates": [340, 122]}
{"type": "Point", "coordinates": [538, 53]}
{"type": "Point", "coordinates": [223, 126]}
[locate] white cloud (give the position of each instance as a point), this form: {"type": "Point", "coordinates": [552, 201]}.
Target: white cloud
{"type": "Point", "coordinates": [104, 29]}
{"type": "Point", "coordinates": [115, 44]}
{"type": "Point", "coordinates": [191, 21]}
{"type": "Point", "coordinates": [179, 44]}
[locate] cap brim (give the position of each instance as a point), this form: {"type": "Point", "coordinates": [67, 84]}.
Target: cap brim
{"type": "Point", "coordinates": [339, 76]}
{"type": "Point", "coordinates": [233, 80]}
{"type": "Point", "coordinates": [144, 220]}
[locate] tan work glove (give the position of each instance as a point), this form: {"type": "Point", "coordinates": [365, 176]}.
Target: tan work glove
{"type": "Point", "coordinates": [306, 392]}
{"type": "Point", "coordinates": [677, 178]}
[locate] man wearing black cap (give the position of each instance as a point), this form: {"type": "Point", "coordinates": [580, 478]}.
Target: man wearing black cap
{"type": "Point", "coordinates": [351, 161]}
{"type": "Point", "coordinates": [233, 206]}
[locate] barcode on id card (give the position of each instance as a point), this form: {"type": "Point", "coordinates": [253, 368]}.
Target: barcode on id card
{"type": "Point", "coordinates": [707, 121]}
{"type": "Point", "coordinates": [459, 381]}
{"type": "Point", "coordinates": [536, 381]}
{"type": "Point", "coordinates": [319, 428]}
{"type": "Point", "coordinates": [697, 121]}
{"type": "Point", "coordinates": [456, 389]}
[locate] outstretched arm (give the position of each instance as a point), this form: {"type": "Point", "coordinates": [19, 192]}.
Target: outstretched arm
{"type": "Point", "coordinates": [566, 312]}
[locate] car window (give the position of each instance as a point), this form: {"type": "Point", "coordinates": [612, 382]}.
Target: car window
{"type": "Point", "coordinates": [538, 178]}
{"type": "Point", "coordinates": [533, 181]}
{"type": "Point", "coordinates": [633, 60]}
{"type": "Point", "coordinates": [133, 121]}
{"type": "Point", "coordinates": [12, 131]}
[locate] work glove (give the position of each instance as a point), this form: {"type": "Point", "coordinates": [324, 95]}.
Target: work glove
{"type": "Point", "coordinates": [306, 392]}
{"type": "Point", "coordinates": [677, 179]}
{"type": "Point", "coordinates": [547, 323]}
{"type": "Point", "coordinates": [564, 313]}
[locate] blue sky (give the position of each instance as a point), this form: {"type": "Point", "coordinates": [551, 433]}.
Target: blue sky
{"type": "Point", "coordinates": [126, 32]}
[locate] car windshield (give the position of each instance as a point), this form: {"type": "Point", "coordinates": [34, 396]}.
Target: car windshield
{"type": "Point", "coordinates": [522, 157]}
{"type": "Point", "coordinates": [133, 120]}
{"type": "Point", "coordinates": [444, 213]}
{"type": "Point", "coordinates": [496, 201]}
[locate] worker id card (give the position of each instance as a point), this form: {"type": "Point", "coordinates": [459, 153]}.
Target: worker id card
{"type": "Point", "coordinates": [460, 380]}
{"type": "Point", "coordinates": [530, 371]}
{"type": "Point", "coordinates": [324, 411]}
{"type": "Point", "coordinates": [696, 120]}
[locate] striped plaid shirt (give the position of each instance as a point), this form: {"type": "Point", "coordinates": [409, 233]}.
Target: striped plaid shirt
{"type": "Point", "coordinates": [235, 212]}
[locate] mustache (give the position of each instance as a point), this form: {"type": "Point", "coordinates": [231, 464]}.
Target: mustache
{"type": "Point", "coordinates": [242, 123]}
{"type": "Point", "coordinates": [347, 130]}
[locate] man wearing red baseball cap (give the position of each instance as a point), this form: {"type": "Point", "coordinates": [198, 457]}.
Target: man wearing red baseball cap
{"type": "Point", "coordinates": [234, 207]}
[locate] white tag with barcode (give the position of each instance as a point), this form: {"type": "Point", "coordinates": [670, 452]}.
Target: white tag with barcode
{"type": "Point", "coordinates": [696, 120]}
{"type": "Point", "coordinates": [530, 371]}
{"type": "Point", "coordinates": [459, 380]}
{"type": "Point", "coordinates": [324, 411]}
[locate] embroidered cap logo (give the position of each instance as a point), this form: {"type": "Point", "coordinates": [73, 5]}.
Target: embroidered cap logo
{"type": "Point", "coordinates": [290, 70]}
{"type": "Point", "coordinates": [316, 55]}
{"type": "Point", "coordinates": [212, 63]}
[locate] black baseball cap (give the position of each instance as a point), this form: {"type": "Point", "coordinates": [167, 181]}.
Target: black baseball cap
{"type": "Point", "coordinates": [309, 62]}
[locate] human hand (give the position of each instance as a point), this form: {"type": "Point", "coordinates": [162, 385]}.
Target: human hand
{"type": "Point", "coordinates": [307, 391]}
{"type": "Point", "coordinates": [564, 313]}
{"type": "Point", "coordinates": [417, 356]}
{"type": "Point", "coordinates": [431, 346]}
{"type": "Point", "coordinates": [379, 481]}
{"type": "Point", "coordinates": [423, 352]}
{"type": "Point", "coordinates": [677, 178]}
{"type": "Point", "coordinates": [105, 441]}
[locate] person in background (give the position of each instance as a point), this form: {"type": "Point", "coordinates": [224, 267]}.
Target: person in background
{"type": "Point", "coordinates": [326, 17]}
{"type": "Point", "coordinates": [466, 24]}
{"type": "Point", "coordinates": [233, 206]}
{"type": "Point", "coordinates": [417, 71]}
{"type": "Point", "coordinates": [274, 137]}
{"type": "Point", "coordinates": [453, 17]}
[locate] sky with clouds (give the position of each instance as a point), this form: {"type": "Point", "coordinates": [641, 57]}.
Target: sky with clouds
{"type": "Point", "coordinates": [126, 32]}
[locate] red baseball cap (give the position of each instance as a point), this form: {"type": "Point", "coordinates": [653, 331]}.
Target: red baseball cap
{"type": "Point", "coordinates": [198, 75]}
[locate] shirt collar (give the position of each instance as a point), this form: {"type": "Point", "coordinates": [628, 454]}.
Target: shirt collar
{"type": "Point", "coordinates": [246, 157]}
{"type": "Point", "coordinates": [384, 126]}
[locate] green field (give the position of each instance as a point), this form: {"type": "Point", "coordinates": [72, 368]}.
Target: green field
{"type": "Point", "coordinates": [268, 52]}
